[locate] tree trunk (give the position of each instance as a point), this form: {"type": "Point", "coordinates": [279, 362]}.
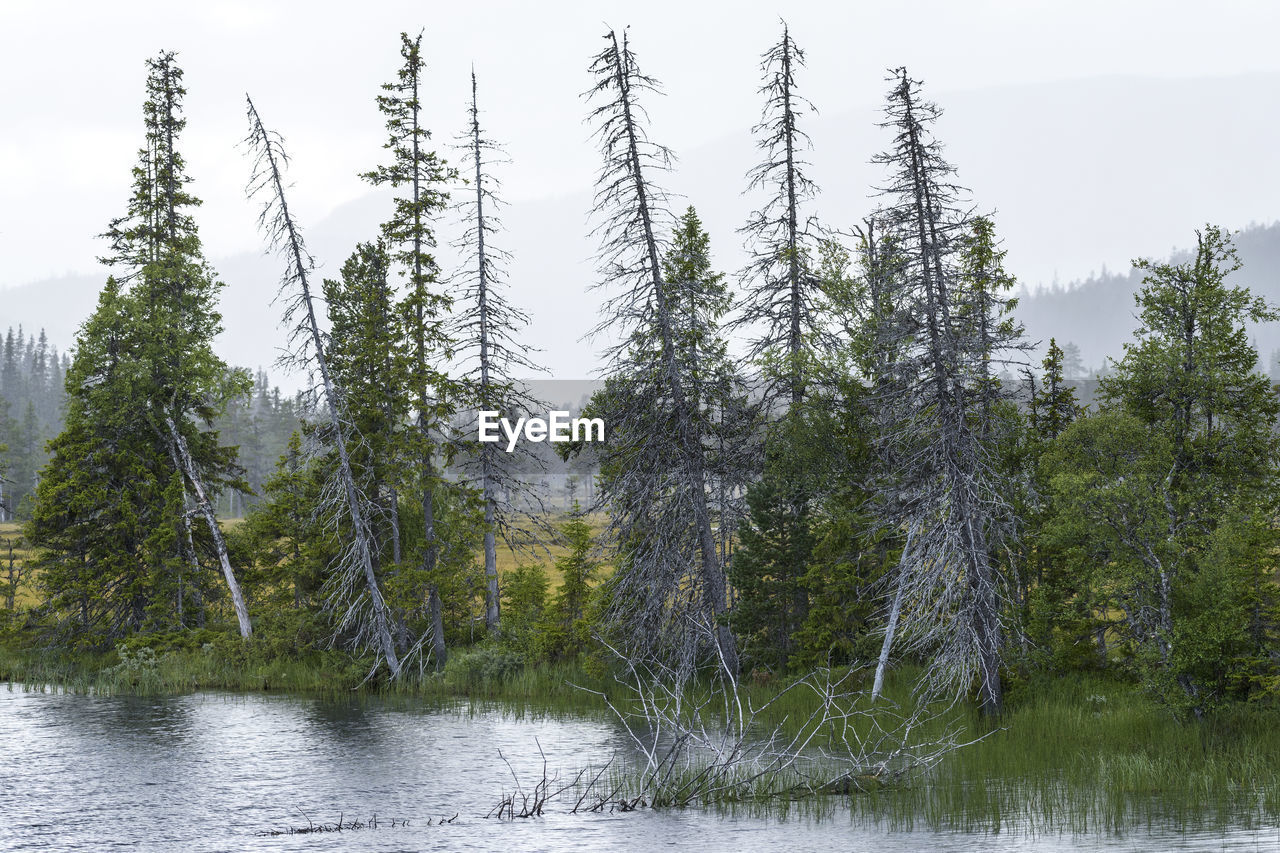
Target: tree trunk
{"type": "Point", "coordinates": [987, 627]}
{"type": "Point", "coordinates": [892, 628]}
{"type": "Point", "coordinates": [337, 414]}
{"type": "Point", "coordinates": [712, 573]}
{"type": "Point", "coordinates": [219, 544]}
{"type": "Point", "coordinates": [438, 650]}
{"type": "Point", "coordinates": [492, 601]}
{"type": "Point", "coordinates": [395, 526]}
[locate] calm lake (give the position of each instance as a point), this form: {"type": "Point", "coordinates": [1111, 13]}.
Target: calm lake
{"type": "Point", "coordinates": [215, 771]}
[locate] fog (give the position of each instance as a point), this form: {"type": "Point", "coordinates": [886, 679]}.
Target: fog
{"type": "Point", "coordinates": [1094, 134]}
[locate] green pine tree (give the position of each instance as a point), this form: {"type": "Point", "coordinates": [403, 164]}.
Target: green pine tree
{"type": "Point", "coordinates": [566, 629]}
{"type": "Point", "coordinates": [143, 391]}
{"type": "Point", "coordinates": [1156, 490]}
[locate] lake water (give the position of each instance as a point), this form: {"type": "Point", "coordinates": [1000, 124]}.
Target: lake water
{"type": "Point", "coordinates": [214, 771]}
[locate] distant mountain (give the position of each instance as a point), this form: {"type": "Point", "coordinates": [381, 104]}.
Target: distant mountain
{"type": "Point", "coordinates": [1099, 314]}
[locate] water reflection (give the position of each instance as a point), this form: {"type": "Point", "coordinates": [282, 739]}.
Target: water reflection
{"type": "Point", "coordinates": [209, 771]}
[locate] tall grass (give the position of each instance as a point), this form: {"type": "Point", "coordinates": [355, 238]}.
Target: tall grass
{"type": "Point", "coordinates": [1089, 754]}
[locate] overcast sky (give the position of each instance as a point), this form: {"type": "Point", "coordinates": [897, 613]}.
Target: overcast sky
{"type": "Point", "coordinates": [71, 84]}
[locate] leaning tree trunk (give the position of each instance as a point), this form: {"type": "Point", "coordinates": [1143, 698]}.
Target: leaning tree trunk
{"type": "Point", "coordinates": [712, 574]}
{"type": "Point", "coordinates": [895, 611]}
{"type": "Point", "coordinates": [285, 231]}
{"type": "Point", "coordinates": [219, 543]}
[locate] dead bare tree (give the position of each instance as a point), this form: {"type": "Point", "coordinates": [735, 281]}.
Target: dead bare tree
{"type": "Point", "coordinates": [352, 588]}
{"type": "Point", "coordinates": [703, 740]}
{"type": "Point", "coordinates": [780, 290]}
{"type": "Point", "coordinates": [485, 332]}
{"type": "Point", "coordinates": [187, 466]}
{"type": "Point", "coordinates": [935, 399]}
{"type": "Point", "coordinates": [657, 492]}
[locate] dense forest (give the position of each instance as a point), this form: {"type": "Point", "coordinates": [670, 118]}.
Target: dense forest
{"type": "Point", "coordinates": [841, 456]}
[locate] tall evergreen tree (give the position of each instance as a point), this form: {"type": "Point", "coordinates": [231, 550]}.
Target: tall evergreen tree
{"type": "Point", "coordinates": [368, 359]}
{"type": "Point", "coordinates": [422, 177]}
{"type": "Point", "coordinates": [166, 373]}
{"type": "Point", "coordinates": [6, 491]}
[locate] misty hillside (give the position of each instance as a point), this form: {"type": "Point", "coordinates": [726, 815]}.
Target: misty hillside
{"type": "Point", "coordinates": [1117, 187]}
{"type": "Point", "coordinates": [1099, 313]}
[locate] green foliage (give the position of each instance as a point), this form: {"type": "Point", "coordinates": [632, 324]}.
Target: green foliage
{"type": "Point", "coordinates": [769, 568]}
{"type": "Point", "coordinates": [565, 630]}
{"type": "Point", "coordinates": [32, 375]}
{"type": "Point", "coordinates": [459, 525]}
{"type": "Point", "coordinates": [420, 178]}
{"type": "Point", "coordinates": [808, 558]}
{"type": "Point", "coordinates": [288, 548]}
{"type": "Point", "coordinates": [524, 608]}
{"type": "Point", "coordinates": [1053, 405]}
{"type": "Point", "coordinates": [118, 552]}
{"type": "Point", "coordinates": [1162, 506]}
{"type": "Point", "coordinates": [482, 668]}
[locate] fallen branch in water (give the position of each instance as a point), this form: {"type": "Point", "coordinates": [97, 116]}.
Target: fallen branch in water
{"type": "Point", "coordinates": [519, 804]}
{"type": "Point", "coordinates": [344, 825]}
{"type": "Point", "coordinates": [700, 738]}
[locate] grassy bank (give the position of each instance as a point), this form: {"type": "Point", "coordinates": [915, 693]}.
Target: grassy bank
{"type": "Point", "coordinates": [1091, 754]}
{"type": "Point", "coordinates": [158, 669]}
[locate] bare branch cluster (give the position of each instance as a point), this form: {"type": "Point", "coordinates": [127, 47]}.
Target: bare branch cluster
{"type": "Point", "coordinates": [352, 588]}
{"type": "Point", "coordinates": [938, 329]}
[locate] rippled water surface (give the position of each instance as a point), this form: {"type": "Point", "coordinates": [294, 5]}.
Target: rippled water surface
{"type": "Point", "coordinates": [213, 771]}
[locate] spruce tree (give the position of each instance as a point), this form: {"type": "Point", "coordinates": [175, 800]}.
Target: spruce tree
{"type": "Point", "coordinates": [670, 594]}
{"type": "Point", "coordinates": [781, 290]}
{"type": "Point", "coordinates": [368, 357]}
{"type": "Point", "coordinates": [163, 369]}
{"type": "Point", "coordinates": [942, 482]}
{"type": "Point", "coordinates": [1173, 481]}
{"type": "Point", "coordinates": [353, 588]}
{"type": "Point", "coordinates": [565, 629]}
{"type": "Point", "coordinates": [768, 571]}
{"type": "Point", "coordinates": [422, 177]}
{"type": "Point", "coordinates": [1055, 404]}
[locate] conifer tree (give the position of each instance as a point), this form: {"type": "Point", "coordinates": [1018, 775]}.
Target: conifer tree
{"type": "Point", "coordinates": [164, 368]}
{"type": "Point", "coordinates": [1173, 480]}
{"type": "Point", "coordinates": [1055, 405]}
{"type": "Point", "coordinates": [768, 570]}
{"type": "Point", "coordinates": [942, 482]}
{"type": "Point", "coordinates": [6, 512]}
{"type": "Point", "coordinates": [368, 359]}
{"type": "Point", "coordinates": [422, 177]}
{"type": "Point", "coordinates": [564, 626]}
{"type": "Point", "coordinates": [292, 546]}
